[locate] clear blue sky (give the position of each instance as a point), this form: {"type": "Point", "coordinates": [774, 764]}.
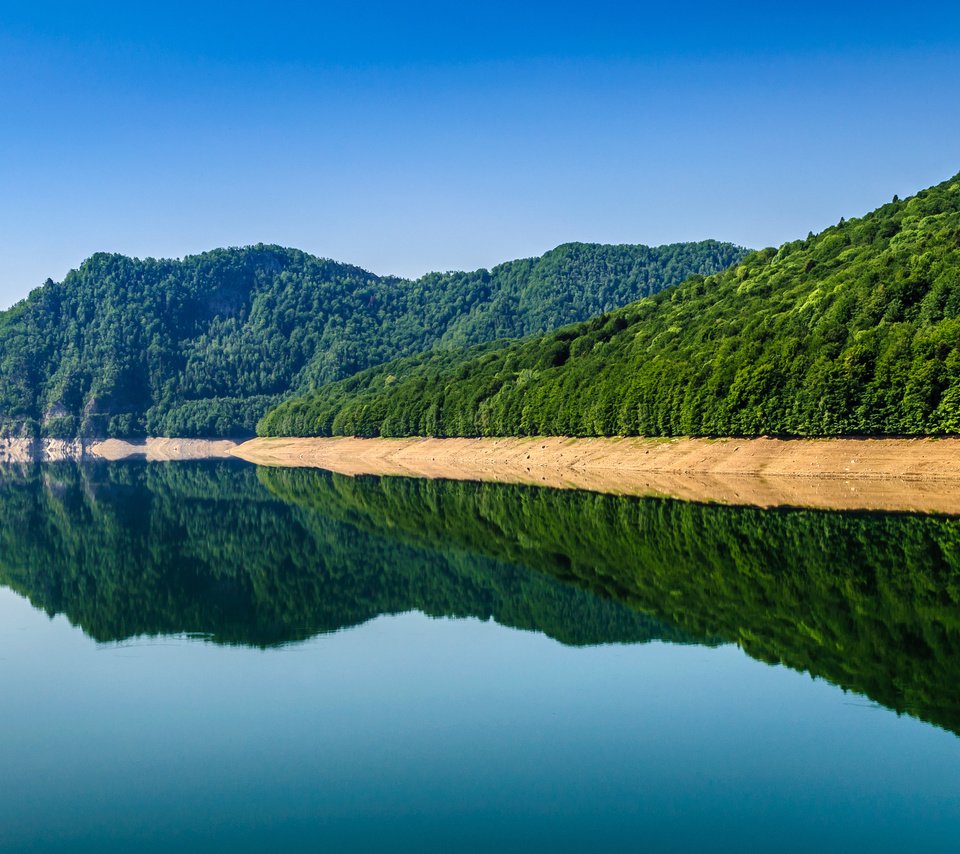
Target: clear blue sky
{"type": "Point", "coordinates": [408, 137]}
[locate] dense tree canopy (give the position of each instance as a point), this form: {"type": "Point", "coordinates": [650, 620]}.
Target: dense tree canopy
{"type": "Point", "coordinates": [853, 331]}
{"type": "Point", "coordinates": [204, 345]}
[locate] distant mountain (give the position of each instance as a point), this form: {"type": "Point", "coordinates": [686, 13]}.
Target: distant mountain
{"type": "Point", "coordinates": [204, 345]}
{"type": "Point", "coordinates": [853, 331]}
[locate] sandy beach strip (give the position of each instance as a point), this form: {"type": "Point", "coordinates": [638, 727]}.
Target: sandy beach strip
{"type": "Point", "coordinates": [154, 449]}
{"type": "Point", "coordinates": [909, 475]}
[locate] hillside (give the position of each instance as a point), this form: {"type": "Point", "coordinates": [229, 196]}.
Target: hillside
{"type": "Point", "coordinates": [204, 345]}
{"type": "Point", "coordinates": [852, 331]}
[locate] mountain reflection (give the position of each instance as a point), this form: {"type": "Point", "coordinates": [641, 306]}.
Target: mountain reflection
{"type": "Point", "coordinates": [870, 602]}
{"type": "Point", "coordinates": [133, 549]}
{"type": "Point", "coordinates": [268, 556]}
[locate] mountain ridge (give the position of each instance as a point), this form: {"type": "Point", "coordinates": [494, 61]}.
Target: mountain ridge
{"type": "Point", "coordinates": [201, 346]}
{"type": "Point", "coordinates": [855, 331]}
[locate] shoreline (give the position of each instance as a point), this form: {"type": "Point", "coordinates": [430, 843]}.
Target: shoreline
{"type": "Point", "coordinates": [894, 475]}
{"type": "Point", "coordinates": [159, 448]}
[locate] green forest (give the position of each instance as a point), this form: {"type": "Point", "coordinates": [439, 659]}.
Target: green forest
{"type": "Point", "coordinates": [134, 549]}
{"type": "Point", "coordinates": [853, 331]}
{"type": "Point", "coordinates": [203, 346]}
{"type": "Point", "coordinates": [868, 601]}
{"type": "Point", "coordinates": [239, 555]}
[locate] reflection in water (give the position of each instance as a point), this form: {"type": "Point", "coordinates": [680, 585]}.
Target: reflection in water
{"type": "Point", "coordinates": [870, 602]}
{"type": "Point", "coordinates": [130, 549]}
{"type": "Point", "coordinates": [867, 601]}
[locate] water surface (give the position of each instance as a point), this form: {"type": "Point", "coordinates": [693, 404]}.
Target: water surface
{"type": "Point", "coordinates": [219, 657]}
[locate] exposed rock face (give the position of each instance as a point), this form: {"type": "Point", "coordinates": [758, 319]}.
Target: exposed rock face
{"type": "Point", "coordinates": [55, 411]}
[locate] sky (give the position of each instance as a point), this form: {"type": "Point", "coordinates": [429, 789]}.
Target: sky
{"type": "Point", "coordinates": [409, 137]}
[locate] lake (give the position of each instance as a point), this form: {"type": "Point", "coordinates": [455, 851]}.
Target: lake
{"type": "Point", "coordinates": [213, 656]}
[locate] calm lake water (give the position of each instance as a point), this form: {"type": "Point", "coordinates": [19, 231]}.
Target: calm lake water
{"type": "Point", "coordinates": [211, 656]}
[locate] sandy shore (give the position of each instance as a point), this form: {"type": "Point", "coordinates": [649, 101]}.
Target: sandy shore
{"type": "Point", "coordinates": [162, 449]}
{"type": "Point", "coordinates": [158, 448]}
{"type": "Point", "coordinates": [921, 475]}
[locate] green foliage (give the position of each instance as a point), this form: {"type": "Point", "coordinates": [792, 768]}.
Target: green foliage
{"type": "Point", "coordinates": [140, 549]}
{"type": "Point", "coordinates": [870, 602]}
{"type": "Point", "coordinates": [854, 331]}
{"type": "Point", "coordinates": [205, 345]}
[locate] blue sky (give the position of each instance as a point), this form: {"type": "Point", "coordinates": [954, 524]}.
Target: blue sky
{"type": "Point", "coordinates": [411, 137]}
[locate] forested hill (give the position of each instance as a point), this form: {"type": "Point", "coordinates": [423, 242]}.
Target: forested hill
{"type": "Point", "coordinates": [852, 331]}
{"type": "Point", "coordinates": [204, 345]}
